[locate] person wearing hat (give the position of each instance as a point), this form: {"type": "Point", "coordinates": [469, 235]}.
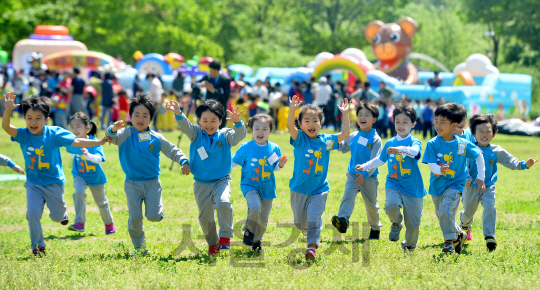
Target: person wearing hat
{"type": "Point", "coordinates": [218, 86]}
{"type": "Point", "coordinates": [322, 96]}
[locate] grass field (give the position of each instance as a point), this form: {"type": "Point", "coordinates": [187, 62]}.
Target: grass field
{"type": "Point", "coordinates": [94, 260]}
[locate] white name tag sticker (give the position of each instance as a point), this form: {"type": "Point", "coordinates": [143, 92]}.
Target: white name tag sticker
{"type": "Point", "coordinates": [462, 148]}
{"type": "Point", "coordinates": [273, 158]}
{"type": "Point", "coordinates": [144, 136]}
{"type": "Point", "coordinates": [362, 141]}
{"type": "Point", "coordinates": [202, 153]}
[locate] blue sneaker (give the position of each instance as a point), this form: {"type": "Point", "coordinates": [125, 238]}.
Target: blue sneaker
{"type": "Point", "coordinates": [224, 244]}
{"type": "Point", "coordinates": [77, 227]}
{"type": "Point", "coordinates": [110, 229]}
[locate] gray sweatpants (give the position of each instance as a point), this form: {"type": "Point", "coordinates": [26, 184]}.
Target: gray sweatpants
{"type": "Point", "coordinates": [36, 197]}
{"type": "Point", "coordinates": [210, 196]}
{"type": "Point", "coordinates": [77, 104]}
{"type": "Point", "coordinates": [471, 198]}
{"type": "Point", "coordinates": [98, 191]}
{"type": "Point", "coordinates": [138, 192]}
{"type": "Point", "coordinates": [258, 214]}
{"type": "Point", "coordinates": [308, 211]}
{"type": "Point", "coordinates": [412, 213]}
{"type": "Point", "coordinates": [446, 207]}
{"type": "Point", "coordinates": [369, 195]}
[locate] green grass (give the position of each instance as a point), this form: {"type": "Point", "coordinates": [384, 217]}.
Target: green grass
{"type": "Point", "coordinates": [95, 260]}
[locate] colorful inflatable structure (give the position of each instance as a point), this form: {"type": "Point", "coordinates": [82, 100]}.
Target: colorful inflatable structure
{"type": "Point", "coordinates": [79, 58]}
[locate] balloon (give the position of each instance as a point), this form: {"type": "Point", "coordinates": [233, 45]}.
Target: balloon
{"type": "Point", "coordinates": [3, 57]}
{"type": "Point", "coordinates": [138, 55]}
{"type": "Point", "coordinates": [174, 59]}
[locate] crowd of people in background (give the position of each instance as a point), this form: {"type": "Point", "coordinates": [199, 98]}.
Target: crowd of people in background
{"type": "Point", "coordinates": [104, 100]}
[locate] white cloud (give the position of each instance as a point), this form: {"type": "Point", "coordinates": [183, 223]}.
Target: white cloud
{"type": "Point", "coordinates": [28, 153]}
{"type": "Point", "coordinates": [254, 159]}
{"type": "Point", "coordinates": [439, 155]}
{"type": "Point", "coordinates": [513, 95]}
{"type": "Point", "coordinates": [322, 57]}
{"type": "Point", "coordinates": [392, 155]}
{"type": "Point", "coordinates": [477, 64]}
{"type": "Point", "coordinates": [307, 155]}
{"type": "Point", "coordinates": [354, 52]}
{"type": "Point", "coordinates": [483, 96]}
{"type": "Point", "coordinates": [310, 151]}
{"type": "Point", "coordinates": [31, 148]}
{"type": "Point", "coordinates": [252, 164]}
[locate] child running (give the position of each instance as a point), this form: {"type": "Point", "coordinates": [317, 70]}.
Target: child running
{"type": "Point", "coordinates": [210, 155]}
{"type": "Point", "coordinates": [447, 155]}
{"type": "Point", "coordinates": [139, 148]}
{"type": "Point", "coordinates": [404, 187]}
{"type": "Point", "coordinates": [6, 161]}
{"type": "Point", "coordinates": [259, 159]}
{"type": "Point", "coordinates": [364, 145]}
{"type": "Point", "coordinates": [40, 145]}
{"type": "Point", "coordinates": [87, 172]}
{"type": "Point", "coordinates": [309, 186]}
{"type": "Point", "coordinates": [484, 128]}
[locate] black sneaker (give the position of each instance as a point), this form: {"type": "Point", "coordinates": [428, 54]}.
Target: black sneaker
{"type": "Point", "coordinates": [39, 252]}
{"type": "Point", "coordinates": [374, 234]}
{"type": "Point", "coordinates": [458, 244]}
{"type": "Point", "coordinates": [65, 221]}
{"type": "Point", "coordinates": [248, 238]}
{"type": "Point", "coordinates": [491, 243]}
{"type": "Point", "coordinates": [256, 247]}
{"type": "Point", "coordinates": [340, 223]}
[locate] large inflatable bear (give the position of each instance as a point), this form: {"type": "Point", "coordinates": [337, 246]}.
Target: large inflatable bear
{"type": "Point", "coordinates": [391, 43]}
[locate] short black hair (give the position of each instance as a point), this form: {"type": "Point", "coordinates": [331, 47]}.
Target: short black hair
{"type": "Point", "coordinates": [86, 120]}
{"type": "Point", "coordinates": [212, 106]}
{"type": "Point", "coordinates": [149, 76]}
{"type": "Point", "coordinates": [145, 100]}
{"type": "Point", "coordinates": [76, 70]}
{"type": "Point", "coordinates": [304, 109]}
{"type": "Point", "coordinates": [262, 118]}
{"type": "Point", "coordinates": [462, 111]}
{"type": "Point", "coordinates": [402, 108]}
{"type": "Point", "coordinates": [37, 103]}
{"type": "Point", "coordinates": [436, 72]}
{"type": "Point", "coordinates": [449, 111]}
{"type": "Point", "coordinates": [367, 84]}
{"type": "Point", "coordinates": [368, 106]}
{"type": "Point", "coordinates": [478, 119]}
{"type": "Point", "coordinates": [215, 64]}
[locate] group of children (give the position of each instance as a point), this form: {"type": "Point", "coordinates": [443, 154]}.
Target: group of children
{"type": "Point", "coordinates": [210, 161]}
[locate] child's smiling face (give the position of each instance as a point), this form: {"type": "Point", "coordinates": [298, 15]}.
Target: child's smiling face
{"type": "Point", "coordinates": [209, 122]}
{"type": "Point", "coordinates": [310, 123]}
{"type": "Point", "coordinates": [483, 134]}
{"type": "Point", "coordinates": [261, 131]}
{"type": "Point", "coordinates": [444, 127]}
{"type": "Point", "coordinates": [35, 121]}
{"type": "Point", "coordinates": [140, 118]}
{"type": "Point", "coordinates": [78, 128]}
{"type": "Point", "coordinates": [365, 120]}
{"type": "Point", "coordinates": [403, 125]}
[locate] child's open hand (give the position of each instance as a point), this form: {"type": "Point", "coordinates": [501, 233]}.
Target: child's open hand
{"type": "Point", "coordinates": [9, 101]}
{"type": "Point", "coordinates": [294, 102]}
{"type": "Point", "coordinates": [469, 181]}
{"type": "Point", "coordinates": [84, 151]}
{"type": "Point", "coordinates": [186, 169]}
{"type": "Point", "coordinates": [18, 169]}
{"type": "Point", "coordinates": [173, 106]}
{"type": "Point", "coordinates": [235, 115]}
{"type": "Point", "coordinates": [530, 162]}
{"type": "Point", "coordinates": [117, 126]}
{"type": "Point", "coordinates": [481, 185]}
{"type": "Point", "coordinates": [359, 167]}
{"type": "Point", "coordinates": [282, 160]}
{"type": "Point", "coordinates": [103, 141]}
{"type": "Point", "coordinates": [392, 150]}
{"type": "Point", "coordinates": [359, 179]}
{"type": "Point", "coordinates": [444, 169]}
{"type": "Point", "coordinates": [344, 108]}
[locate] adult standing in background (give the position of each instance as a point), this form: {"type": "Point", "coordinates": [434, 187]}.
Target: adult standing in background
{"type": "Point", "coordinates": [155, 92]}
{"type": "Point", "coordinates": [261, 90]}
{"type": "Point", "coordinates": [322, 96]}
{"type": "Point", "coordinates": [107, 95]}
{"type": "Point", "coordinates": [178, 85]}
{"type": "Point", "coordinates": [218, 86]}
{"type": "Point", "coordinates": [385, 92]}
{"type": "Point", "coordinates": [75, 99]}
{"type": "Point", "coordinates": [137, 85]}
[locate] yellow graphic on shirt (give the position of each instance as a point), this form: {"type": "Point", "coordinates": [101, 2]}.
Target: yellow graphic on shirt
{"type": "Point", "coordinates": [318, 154]}
{"type": "Point", "coordinates": [402, 170]}
{"type": "Point", "coordinates": [262, 162]}
{"type": "Point", "coordinates": [88, 167]}
{"type": "Point", "coordinates": [40, 152]}
{"type": "Point", "coordinates": [448, 159]}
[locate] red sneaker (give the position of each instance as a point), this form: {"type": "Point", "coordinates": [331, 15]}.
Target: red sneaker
{"type": "Point", "coordinates": [469, 235]}
{"type": "Point", "coordinates": [212, 250]}
{"type": "Point", "coordinates": [224, 244]}
{"type": "Point", "coordinates": [310, 254]}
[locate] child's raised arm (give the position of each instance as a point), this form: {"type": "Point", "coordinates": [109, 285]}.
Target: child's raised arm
{"type": "Point", "coordinates": [174, 153]}
{"type": "Point", "coordinates": [185, 125]}
{"type": "Point", "coordinates": [344, 108]}
{"type": "Point", "coordinates": [294, 103]}
{"type": "Point", "coordinates": [10, 105]}
{"type": "Point", "coordinates": [117, 134]}
{"type": "Point", "coordinates": [240, 132]}
{"type": "Point", "coordinates": [511, 162]}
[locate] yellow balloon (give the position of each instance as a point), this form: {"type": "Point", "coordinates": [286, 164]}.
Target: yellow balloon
{"type": "Point", "coordinates": [138, 55]}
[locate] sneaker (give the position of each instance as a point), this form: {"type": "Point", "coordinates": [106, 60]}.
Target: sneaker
{"type": "Point", "coordinates": [458, 243]}
{"type": "Point", "coordinates": [224, 244]}
{"type": "Point", "coordinates": [65, 221]}
{"type": "Point", "coordinates": [469, 235]}
{"type": "Point", "coordinates": [39, 251]}
{"type": "Point", "coordinates": [311, 254]}
{"type": "Point", "coordinates": [407, 249]}
{"type": "Point", "coordinates": [395, 229]}
{"type": "Point", "coordinates": [212, 250]}
{"type": "Point", "coordinates": [448, 247]}
{"type": "Point", "coordinates": [374, 234]}
{"type": "Point", "coordinates": [139, 252]}
{"type": "Point", "coordinates": [256, 247]}
{"type": "Point", "coordinates": [491, 243]}
{"type": "Point", "coordinates": [77, 227]}
{"type": "Point", "coordinates": [110, 229]}
{"type": "Point", "coordinates": [340, 223]}
{"type": "Point", "coordinates": [467, 230]}
{"type": "Point", "coordinates": [248, 238]}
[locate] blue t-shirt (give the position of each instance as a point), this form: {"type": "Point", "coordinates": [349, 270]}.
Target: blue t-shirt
{"type": "Point", "coordinates": [91, 172]}
{"type": "Point", "coordinates": [311, 158]}
{"type": "Point", "coordinates": [362, 145]}
{"type": "Point", "coordinates": [42, 154]}
{"type": "Point", "coordinates": [455, 154]}
{"type": "Point", "coordinates": [257, 171]}
{"type": "Point", "coordinates": [468, 135]}
{"type": "Point", "coordinates": [403, 171]}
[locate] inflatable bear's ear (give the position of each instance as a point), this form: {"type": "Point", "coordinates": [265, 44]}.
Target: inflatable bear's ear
{"type": "Point", "coordinates": [409, 26]}
{"type": "Point", "coordinates": [372, 28]}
